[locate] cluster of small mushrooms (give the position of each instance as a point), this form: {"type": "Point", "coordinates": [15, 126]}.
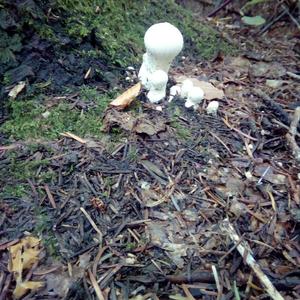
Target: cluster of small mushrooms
{"type": "Point", "coordinates": [163, 43]}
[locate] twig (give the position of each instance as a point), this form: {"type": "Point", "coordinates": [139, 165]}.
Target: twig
{"type": "Point", "coordinates": [50, 196]}
{"type": "Point", "coordinates": [74, 137]}
{"type": "Point", "coordinates": [220, 141]}
{"type": "Point", "coordinates": [276, 19]}
{"type": "Point", "coordinates": [291, 16]}
{"type": "Point", "coordinates": [246, 253]}
{"type": "Point", "coordinates": [293, 75]}
{"type": "Point", "coordinates": [97, 259]}
{"type": "Point", "coordinates": [215, 11]}
{"type": "Point", "coordinates": [290, 136]}
{"type": "Point", "coordinates": [284, 126]}
{"type": "Point", "coordinates": [92, 223]}
{"type": "Point", "coordinates": [96, 286]}
{"type": "Point", "coordinates": [187, 292]}
{"type": "Point", "coordinates": [218, 284]}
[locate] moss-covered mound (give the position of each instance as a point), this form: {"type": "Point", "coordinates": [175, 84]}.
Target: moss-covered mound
{"type": "Point", "coordinates": [111, 30]}
{"type": "Point", "coordinates": [65, 46]}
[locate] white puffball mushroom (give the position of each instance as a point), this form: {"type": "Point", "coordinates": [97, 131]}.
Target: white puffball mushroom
{"type": "Point", "coordinates": [186, 87]}
{"type": "Point", "coordinates": [157, 91]}
{"type": "Point", "coordinates": [212, 108]}
{"type": "Point", "coordinates": [163, 42]}
{"type": "Point", "coordinates": [195, 97]}
{"type": "Point", "coordinates": [175, 90]}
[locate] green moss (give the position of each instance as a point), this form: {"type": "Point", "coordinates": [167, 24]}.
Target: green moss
{"type": "Point", "coordinates": [27, 120]}
{"type": "Point", "coordinates": [182, 131]}
{"type": "Point", "coordinates": [118, 27]}
{"type": "Point", "coordinates": [18, 190]}
{"type": "Point", "coordinates": [132, 153]}
{"type": "Point", "coordinates": [42, 225]}
{"type": "Point", "coordinates": [22, 170]}
{"type": "Point", "coordinates": [130, 246]}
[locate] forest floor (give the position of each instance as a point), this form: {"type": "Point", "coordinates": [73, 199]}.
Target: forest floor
{"type": "Point", "coordinates": [148, 210]}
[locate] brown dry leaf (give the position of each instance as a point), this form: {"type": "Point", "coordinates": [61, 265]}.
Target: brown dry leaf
{"type": "Point", "coordinates": [129, 122]}
{"type": "Point", "coordinates": [17, 90]}
{"type": "Point", "coordinates": [149, 127]}
{"type": "Point", "coordinates": [269, 174]}
{"type": "Point", "coordinates": [270, 70]}
{"type": "Point", "coordinates": [151, 198]}
{"type": "Point", "coordinates": [210, 92]}
{"type": "Point", "coordinates": [115, 118]}
{"type": "Point", "coordinates": [160, 235]}
{"type": "Point", "coordinates": [127, 97]}
{"type": "Point", "coordinates": [23, 287]}
{"type": "Point", "coordinates": [240, 62]}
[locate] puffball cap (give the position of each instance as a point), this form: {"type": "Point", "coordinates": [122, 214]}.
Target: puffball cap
{"type": "Point", "coordinates": [163, 40]}
{"type": "Point", "coordinates": [196, 95]}
{"type": "Point", "coordinates": [159, 78]}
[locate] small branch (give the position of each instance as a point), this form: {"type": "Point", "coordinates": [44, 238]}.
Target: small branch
{"type": "Point", "coordinates": [100, 235]}
{"type": "Point", "coordinates": [223, 5]}
{"type": "Point", "coordinates": [293, 75]}
{"type": "Point", "coordinates": [96, 287]}
{"type": "Point", "coordinates": [246, 253]}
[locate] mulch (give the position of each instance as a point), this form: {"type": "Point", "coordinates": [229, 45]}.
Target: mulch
{"type": "Point", "coordinates": [140, 216]}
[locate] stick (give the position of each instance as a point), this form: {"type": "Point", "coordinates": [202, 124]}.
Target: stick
{"type": "Point", "coordinates": [246, 253]}
{"type": "Point", "coordinates": [96, 286]}
{"type": "Point", "coordinates": [215, 11]}
{"type": "Point", "coordinates": [100, 235]}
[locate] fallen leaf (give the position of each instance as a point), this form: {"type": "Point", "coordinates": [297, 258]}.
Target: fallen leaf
{"type": "Point", "coordinates": [23, 256]}
{"type": "Point", "coordinates": [270, 70]}
{"type": "Point", "coordinates": [240, 62]}
{"type": "Point", "coordinates": [210, 92]}
{"type": "Point", "coordinates": [268, 173]}
{"type": "Point", "coordinates": [158, 232]}
{"type": "Point", "coordinates": [253, 21]}
{"type": "Point", "coordinates": [127, 97]}
{"type": "Point", "coordinates": [148, 126]}
{"type": "Point", "coordinates": [130, 122]}
{"type": "Point", "coordinates": [22, 287]}
{"type": "Point", "coordinates": [274, 84]}
{"type": "Point", "coordinates": [58, 283]}
{"type": "Point", "coordinates": [151, 198]}
{"type": "Point", "coordinates": [17, 89]}
{"type": "Point", "coordinates": [155, 171]}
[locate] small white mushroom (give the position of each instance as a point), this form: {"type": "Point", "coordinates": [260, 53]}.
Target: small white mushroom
{"type": "Point", "coordinates": [157, 91]}
{"type": "Point", "coordinates": [175, 90]}
{"type": "Point", "coordinates": [212, 108]}
{"type": "Point", "coordinates": [163, 42]}
{"type": "Point", "coordinates": [195, 97]}
{"type": "Point", "coordinates": [186, 87]}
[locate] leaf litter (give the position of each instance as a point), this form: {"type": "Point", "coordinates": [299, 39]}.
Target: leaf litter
{"type": "Point", "coordinates": [159, 194]}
